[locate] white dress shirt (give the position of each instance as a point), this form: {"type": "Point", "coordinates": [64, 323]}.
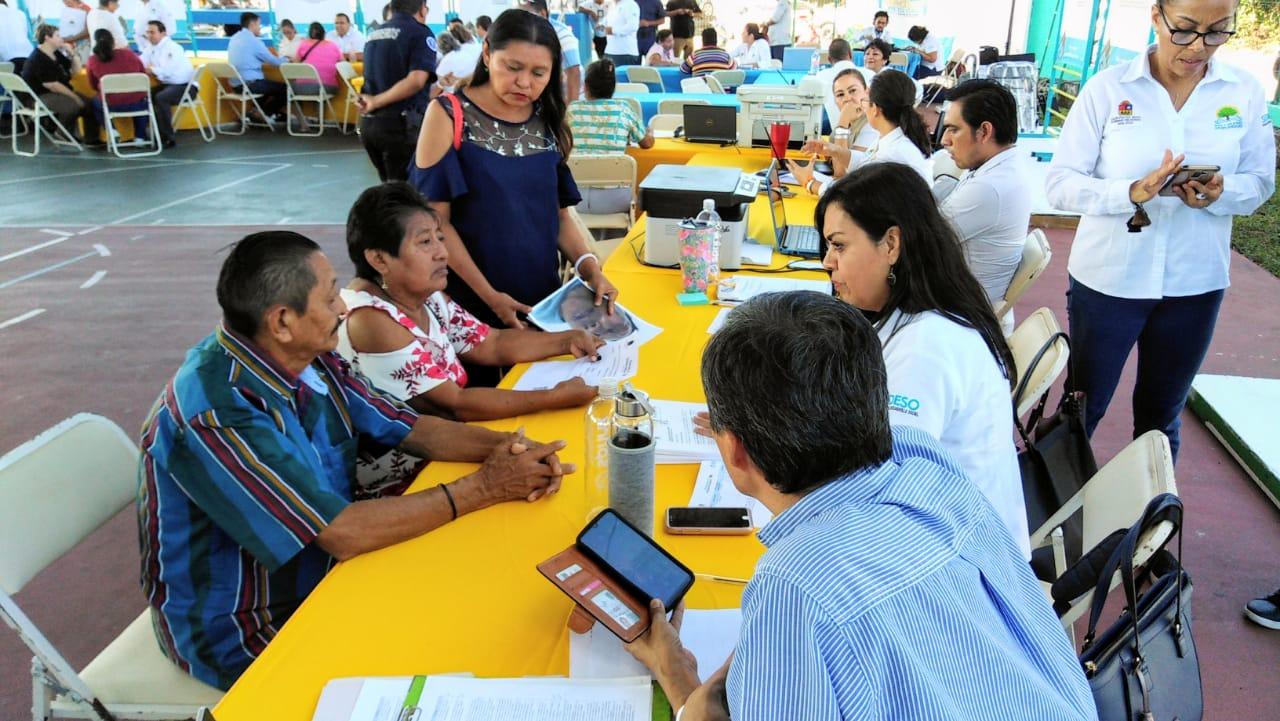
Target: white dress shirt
{"type": "Point", "coordinates": [352, 42]}
{"type": "Point", "coordinates": [870, 33]}
{"type": "Point", "coordinates": [991, 209]}
{"type": "Point", "coordinates": [944, 380]}
{"type": "Point", "coordinates": [15, 34]}
{"type": "Point", "coordinates": [755, 55]}
{"type": "Point", "coordinates": [897, 148]}
{"type": "Point", "coordinates": [286, 47]}
{"type": "Point", "coordinates": [930, 44]}
{"type": "Point", "coordinates": [1116, 133]}
{"type": "Point", "coordinates": [103, 19]}
{"type": "Point", "coordinates": [152, 10]}
{"type": "Point", "coordinates": [168, 62]}
{"type": "Point", "coordinates": [71, 22]}
{"type": "Point", "coordinates": [624, 21]}
{"type": "Point", "coordinates": [780, 30]}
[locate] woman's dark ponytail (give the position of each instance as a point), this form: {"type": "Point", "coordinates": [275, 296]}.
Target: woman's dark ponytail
{"type": "Point", "coordinates": [104, 45]}
{"type": "Point", "coordinates": [895, 94]}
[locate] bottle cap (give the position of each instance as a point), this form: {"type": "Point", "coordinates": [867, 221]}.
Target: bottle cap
{"type": "Point", "coordinates": [709, 205]}
{"type": "Point", "coordinates": [608, 388]}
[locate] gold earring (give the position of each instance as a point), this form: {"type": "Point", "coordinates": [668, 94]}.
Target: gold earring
{"type": "Point", "coordinates": [383, 282]}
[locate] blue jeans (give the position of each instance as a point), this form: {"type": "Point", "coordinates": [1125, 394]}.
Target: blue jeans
{"type": "Point", "coordinates": [1172, 335]}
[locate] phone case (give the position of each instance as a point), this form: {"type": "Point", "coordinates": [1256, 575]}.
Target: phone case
{"type": "Point", "coordinates": [596, 592]}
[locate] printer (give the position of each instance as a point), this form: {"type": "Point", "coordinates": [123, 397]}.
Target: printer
{"type": "Point", "coordinates": [672, 193]}
{"type": "Point", "coordinates": [762, 105]}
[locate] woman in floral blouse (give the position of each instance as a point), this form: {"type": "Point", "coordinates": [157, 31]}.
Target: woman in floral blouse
{"type": "Point", "coordinates": [409, 338]}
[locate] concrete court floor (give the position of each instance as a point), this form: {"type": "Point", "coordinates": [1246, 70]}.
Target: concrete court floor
{"type": "Point", "coordinates": [132, 311]}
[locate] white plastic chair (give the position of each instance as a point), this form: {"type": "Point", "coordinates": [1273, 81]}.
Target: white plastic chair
{"type": "Point", "coordinates": [647, 76]}
{"type": "Point", "coordinates": [232, 88]}
{"type": "Point", "coordinates": [773, 64]}
{"type": "Point", "coordinates": [347, 72]}
{"type": "Point", "coordinates": [632, 88]}
{"type": "Point", "coordinates": [194, 104]}
{"type": "Point", "coordinates": [1026, 341]}
{"type": "Point", "coordinates": [898, 60]}
{"type": "Point", "coordinates": [675, 106]}
{"type": "Point", "coordinates": [34, 110]}
{"type": "Point", "coordinates": [7, 102]}
{"type": "Point", "coordinates": [56, 490]}
{"type": "Point", "coordinates": [129, 83]}
{"type": "Point", "coordinates": [303, 83]}
{"type": "Point", "coordinates": [695, 85]}
{"type": "Point", "coordinates": [606, 171]}
{"type": "Point", "coordinates": [665, 124]}
{"type": "Point", "coordinates": [713, 84]}
{"type": "Point", "coordinates": [1036, 255]}
{"type": "Point", "coordinates": [729, 78]}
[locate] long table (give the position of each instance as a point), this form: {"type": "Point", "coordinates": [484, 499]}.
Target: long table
{"type": "Point", "coordinates": [649, 102]}
{"type": "Point", "coordinates": [671, 76]}
{"type": "Point", "coordinates": [466, 597]}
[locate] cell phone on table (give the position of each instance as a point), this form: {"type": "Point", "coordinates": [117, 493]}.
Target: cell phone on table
{"type": "Point", "coordinates": [636, 561]}
{"type": "Point", "coordinates": [1198, 173]}
{"type": "Point", "coordinates": [696, 521]}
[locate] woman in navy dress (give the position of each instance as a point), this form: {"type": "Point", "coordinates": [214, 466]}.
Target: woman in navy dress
{"type": "Point", "coordinates": [500, 182]}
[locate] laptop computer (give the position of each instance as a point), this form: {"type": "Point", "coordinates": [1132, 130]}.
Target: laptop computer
{"type": "Point", "coordinates": [801, 240]}
{"type": "Point", "coordinates": [711, 124]}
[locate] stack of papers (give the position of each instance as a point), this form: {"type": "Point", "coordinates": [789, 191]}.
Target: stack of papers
{"type": "Point", "coordinates": [618, 361]}
{"type": "Point", "coordinates": [714, 489]}
{"type": "Point", "coordinates": [710, 635]}
{"type": "Point", "coordinates": [718, 322]}
{"type": "Point", "coordinates": [742, 288]}
{"type": "Point", "coordinates": [677, 442]}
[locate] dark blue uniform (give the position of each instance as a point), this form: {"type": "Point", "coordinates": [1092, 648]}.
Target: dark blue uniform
{"type": "Point", "coordinates": [398, 47]}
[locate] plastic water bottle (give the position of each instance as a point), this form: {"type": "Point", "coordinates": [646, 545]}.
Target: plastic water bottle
{"type": "Point", "coordinates": [599, 430]}
{"type": "Point", "coordinates": [710, 218]}
{"type": "Point", "coordinates": [813, 63]}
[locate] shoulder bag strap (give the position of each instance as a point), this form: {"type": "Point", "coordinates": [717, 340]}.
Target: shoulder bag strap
{"type": "Point", "coordinates": [1025, 380]}
{"type": "Point", "coordinates": [457, 119]}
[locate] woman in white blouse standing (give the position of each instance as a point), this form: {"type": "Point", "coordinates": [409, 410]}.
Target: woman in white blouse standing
{"type": "Point", "coordinates": [1145, 268]}
{"type": "Point", "coordinates": [754, 51]}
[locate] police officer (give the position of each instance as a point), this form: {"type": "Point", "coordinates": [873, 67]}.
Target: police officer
{"type": "Point", "coordinates": [399, 69]}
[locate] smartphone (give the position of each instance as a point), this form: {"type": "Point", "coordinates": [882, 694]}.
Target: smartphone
{"type": "Point", "coordinates": [709, 521]}
{"type": "Point", "coordinates": [1198, 173]}
{"type": "Point", "coordinates": [635, 559]}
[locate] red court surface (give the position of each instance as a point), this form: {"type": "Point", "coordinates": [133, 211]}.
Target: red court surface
{"type": "Point", "coordinates": [103, 331]}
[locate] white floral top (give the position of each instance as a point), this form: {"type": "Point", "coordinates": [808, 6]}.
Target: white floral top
{"type": "Point", "coordinates": [431, 359]}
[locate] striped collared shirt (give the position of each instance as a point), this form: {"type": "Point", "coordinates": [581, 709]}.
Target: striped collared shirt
{"type": "Point", "coordinates": [707, 60]}
{"type": "Point", "coordinates": [897, 593]}
{"type": "Point", "coordinates": [604, 126]}
{"type": "Point", "coordinates": [243, 465]}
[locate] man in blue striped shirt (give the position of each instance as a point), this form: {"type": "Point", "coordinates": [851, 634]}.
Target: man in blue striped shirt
{"type": "Point", "coordinates": [248, 459]}
{"type": "Point", "coordinates": [890, 588]}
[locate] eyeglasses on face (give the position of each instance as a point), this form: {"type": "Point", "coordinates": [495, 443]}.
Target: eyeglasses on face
{"type": "Point", "coordinates": [1178, 36]}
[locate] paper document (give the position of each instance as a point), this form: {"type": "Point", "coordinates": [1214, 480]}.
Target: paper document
{"type": "Point", "coordinates": [711, 636]}
{"type": "Point", "coordinates": [600, 654]}
{"type": "Point", "coordinates": [755, 254]}
{"type": "Point", "coordinates": [618, 361]}
{"type": "Point", "coordinates": [718, 321]}
{"type": "Point", "coordinates": [673, 428]}
{"type": "Point", "coordinates": [449, 698]}
{"type": "Point", "coordinates": [573, 307]}
{"type": "Point", "coordinates": [714, 489]}
{"type": "Point", "coordinates": [741, 288]}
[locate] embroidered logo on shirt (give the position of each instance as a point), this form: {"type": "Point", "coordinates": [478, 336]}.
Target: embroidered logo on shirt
{"type": "Point", "coordinates": [1228, 117]}
{"type": "Point", "coordinates": [1126, 108]}
{"type": "Point", "coordinates": [904, 404]}
{"type": "Point", "coordinates": [1124, 114]}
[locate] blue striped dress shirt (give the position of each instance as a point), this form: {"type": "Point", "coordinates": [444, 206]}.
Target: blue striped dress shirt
{"type": "Point", "coordinates": [897, 593]}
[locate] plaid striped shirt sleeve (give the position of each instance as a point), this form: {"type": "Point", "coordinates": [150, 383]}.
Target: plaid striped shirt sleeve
{"type": "Point", "coordinates": [374, 413]}
{"type": "Point", "coordinates": [244, 472]}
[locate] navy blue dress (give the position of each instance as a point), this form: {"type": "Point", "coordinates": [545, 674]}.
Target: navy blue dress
{"type": "Point", "coordinates": [505, 186]}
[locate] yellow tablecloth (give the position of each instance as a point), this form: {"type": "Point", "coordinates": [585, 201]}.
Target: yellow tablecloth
{"type": "Point", "coordinates": [466, 597]}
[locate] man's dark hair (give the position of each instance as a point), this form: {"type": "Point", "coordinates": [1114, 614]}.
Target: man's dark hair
{"type": "Point", "coordinates": [158, 25]}
{"type": "Point", "coordinates": [663, 34]}
{"type": "Point", "coordinates": [880, 14]}
{"type": "Point", "coordinates": [106, 3]}
{"type": "Point", "coordinates": [538, 6]}
{"type": "Point", "coordinates": [709, 37]}
{"type": "Point", "coordinates": [457, 21]}
{"type": "Point", "coordinates": [246, 18]}
{"type": "Point", "coordinates": [799, 378]}
{"type": "Point", "coordinates": [839, 50]}
{"type": "Point", "coordinates": [408, 7]}
{"type": "Point", "coordinates": [483, 22]}
{"type": "Point", "coordinates": [286, 23]}
{"type": "Point", "coordinates": [601, 79]}
{"type": "Point", "coordinates": [378, 221]}
{"type": "Point", "coordinates": [987, 101]}
{"type": "Point", "coordinates": [344, 16]}
{"type": "Point", "coordinates": [264, 270]}
{"type": "Point", "coordinates": [881, 47]}
{"type": "Point", "coordinates": [917, 33]}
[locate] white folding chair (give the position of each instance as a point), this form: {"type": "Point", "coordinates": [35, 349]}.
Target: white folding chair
{"type": "Point", "coordinates": [194, 104]}
{"type": "Point", "coordinates": [898, 60]}
{"type": "Point", "coordinates": [713, 84]}
{"type": "Point", "coordinates": [347, 72]}
{"type": "Point", "coordinates": [1032, 334]}
{"type": "Point", "coordinates": [665, 124]}
{"type": "Point", "coordinates": [1115, 498]}
{"type": "Point", "coordinates": [729, 78]}
{"type": "Point", "coordinates": [606, 171]}
{"type": "Point", "coordinates": [34, 110]}
{"type": "Point", "coordinates": [695, 85]}
{"type": "Point", "coordinates": [55, 491]}
{"type": "Point", "coordinates": [648, 76]}
{"type": "Point", "coordinates": [1036, 255]}
{"type": "Point", "coordinates": [632, 88]}
{"type": "Point", "coordinates": [129, 83]}
{"type": "Point", "coordinates": [232, 88]}
{"type": "Point", "coordinates": [303, 83]}
{"type": "Point", "coordinates": [948, 79]}
{"type": "Point", "coordinates": [675, 106]}
{"type": "Point", "coordinates": [7, 102]}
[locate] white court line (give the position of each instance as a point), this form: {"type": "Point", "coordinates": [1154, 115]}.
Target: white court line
{"type": "Point", "coordinates": [284, 220]}
{"type": "Point", "coordinates": [217, 189]}
{"type": "Point", "coordinates": [25, 316]}
{"type": "Point", "coordinates": [32, 249]}
{"type": "Point", "coordinates": [137, 237]}
{"type": "Point", "coordinates": [59, 233]}
{"type": "Point", "coordinates": [84, 172]}
{"type": "Point", "coordinates": [102, 250]}
{"type": "Point", "coordinates": [157, 221]}
{"type": "Point", "coordinates": [89, 230]}
{"type": "Point", "coordinates": [93, 280]}
{"type": "Point", "coordinates": [288, 155]}
{"type": "Point", "coordinates": [48, 269]}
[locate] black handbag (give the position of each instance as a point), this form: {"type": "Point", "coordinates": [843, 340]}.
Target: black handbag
{"type": "Point", "coordinates": [1055, 460]}
{"type": "Point", "coordinates": [1144, 667]}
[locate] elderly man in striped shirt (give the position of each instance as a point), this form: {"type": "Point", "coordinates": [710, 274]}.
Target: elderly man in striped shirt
{"type": "Point", "coordinates": [890, 588]}
{"type": "Point", "coordinates": [248, 462]}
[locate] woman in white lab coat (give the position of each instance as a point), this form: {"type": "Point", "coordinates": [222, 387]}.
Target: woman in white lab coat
{"type": "Point", "coordinates": [754, 50]}
{"type": "Point", "coordinates": [1146, 268]}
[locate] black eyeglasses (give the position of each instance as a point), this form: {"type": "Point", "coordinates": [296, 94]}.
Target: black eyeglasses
{"type": "Point", "coordinates": [1213, 38]}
